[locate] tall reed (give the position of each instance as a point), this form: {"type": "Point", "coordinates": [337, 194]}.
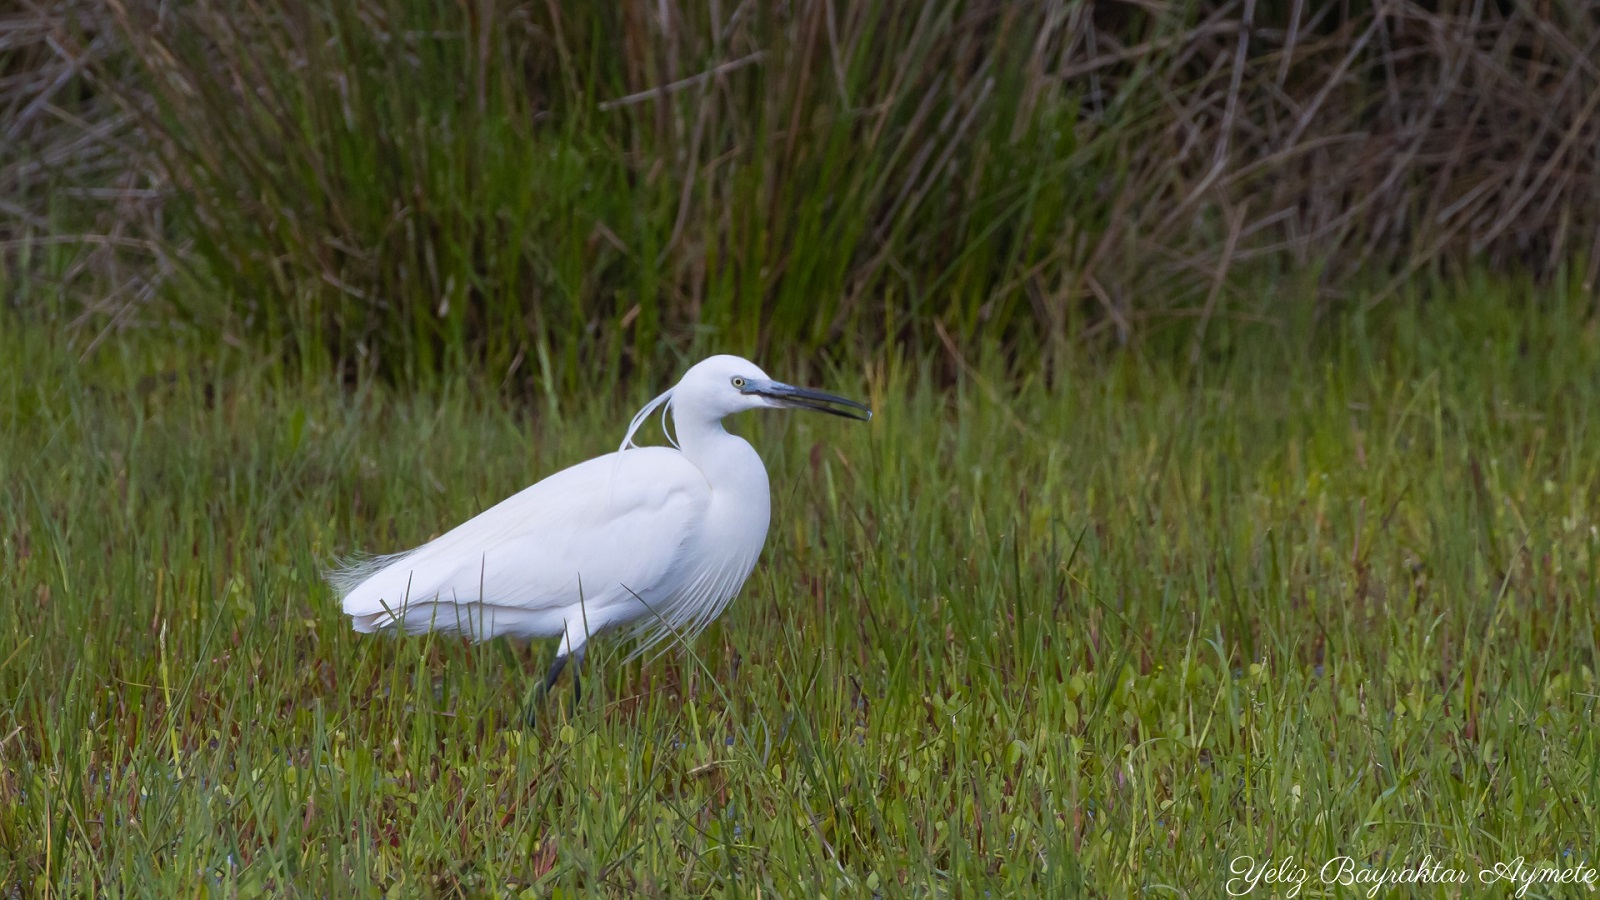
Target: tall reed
{"type": "Point", "coordinates": [537, 188]}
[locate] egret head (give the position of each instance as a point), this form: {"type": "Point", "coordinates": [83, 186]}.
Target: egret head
{"type": "Point", "coordinates": [719, 386]}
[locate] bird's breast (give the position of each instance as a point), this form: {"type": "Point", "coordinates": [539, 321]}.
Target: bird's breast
{"type": "Point", "coordinates": [740, 508]}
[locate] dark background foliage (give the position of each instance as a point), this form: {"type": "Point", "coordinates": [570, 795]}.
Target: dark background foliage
{"type": "Point", "coordinates": [532, 187]}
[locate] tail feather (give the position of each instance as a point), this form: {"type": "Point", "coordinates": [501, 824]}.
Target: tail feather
{"type": "Point", "coordinates": [349, 573]}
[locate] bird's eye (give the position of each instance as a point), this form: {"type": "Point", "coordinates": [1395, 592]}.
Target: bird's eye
{"type": "Point", "coordinates": [738, 382]}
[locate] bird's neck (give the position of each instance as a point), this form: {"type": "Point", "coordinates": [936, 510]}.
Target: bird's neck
{"type": "Point", "coordinates": [702, 440]}
{"type": "Point", "coordinates": [736, 475]}
{"type": "Point", "coordinates": [723, 457]}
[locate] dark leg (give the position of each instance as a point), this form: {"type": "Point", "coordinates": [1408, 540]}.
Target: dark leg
{"type": "Point", "coordinates": [531, 716]}
{"type": "Point", "coordinates": [577, 683]}
{"type": "Point", "coordinates": [555, 673]}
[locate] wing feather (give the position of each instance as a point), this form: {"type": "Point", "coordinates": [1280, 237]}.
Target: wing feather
{"type": "Point", "coordinates": [595, 534]}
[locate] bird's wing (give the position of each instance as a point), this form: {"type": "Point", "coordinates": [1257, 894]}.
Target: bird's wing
{"type": "Point", "coordinates": [599, 531]}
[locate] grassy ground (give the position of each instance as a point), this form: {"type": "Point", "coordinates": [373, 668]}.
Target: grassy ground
{"type": "Point", "coordinates": [1109, 627]}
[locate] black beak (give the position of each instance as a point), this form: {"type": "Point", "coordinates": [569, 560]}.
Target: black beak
{"type": "Point", "coordinates": [806, 398]}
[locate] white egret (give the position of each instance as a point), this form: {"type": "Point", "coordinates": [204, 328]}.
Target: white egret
{"type": "Point", "coordinates": [656, 538]}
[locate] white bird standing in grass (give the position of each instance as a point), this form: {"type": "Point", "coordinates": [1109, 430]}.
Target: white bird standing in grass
{"type": "Point", "coordinates": [656, 538]}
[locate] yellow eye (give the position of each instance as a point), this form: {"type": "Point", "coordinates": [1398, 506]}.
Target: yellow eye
{"type": "Point", "coordinates": [738, 382]}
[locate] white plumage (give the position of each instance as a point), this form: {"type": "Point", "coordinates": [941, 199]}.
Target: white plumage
{"type": "Point", "coordinates": [657, 538]}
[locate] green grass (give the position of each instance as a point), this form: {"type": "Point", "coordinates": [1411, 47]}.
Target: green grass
{"type": "Point", "coordinates": [1106, 627]}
